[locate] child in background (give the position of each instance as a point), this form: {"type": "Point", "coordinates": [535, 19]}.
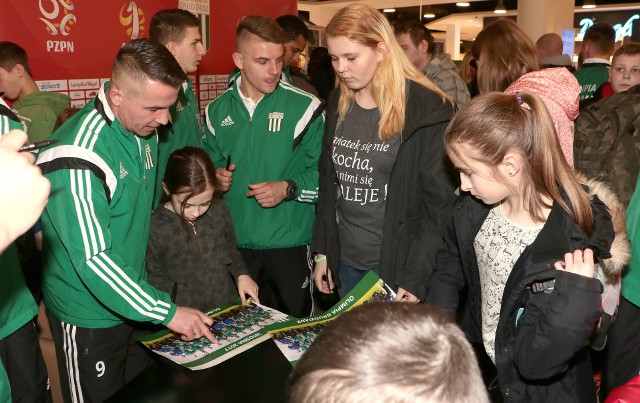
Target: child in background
{"type": "Point", "coordinates": [192, 252]}
{"type": "Point", "coordinates": [389, 353]}
{"type": "Point", "coordinates": [523, 238]}
{"type": "Point", "coordinates": [625, 67]}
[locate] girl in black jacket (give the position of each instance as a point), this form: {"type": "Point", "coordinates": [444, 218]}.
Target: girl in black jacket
{"type": "Point", "coordinates": [523, 240]}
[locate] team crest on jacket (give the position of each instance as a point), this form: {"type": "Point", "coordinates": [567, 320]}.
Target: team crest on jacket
{"type": "Point", "coordinates": [179, 107]}
{"type": "Point", "coordinates": [275, 121]}
{"type": "Point", "coordinates": [149, 157]}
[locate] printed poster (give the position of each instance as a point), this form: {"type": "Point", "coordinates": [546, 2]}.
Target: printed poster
{"type": "Point", "coordinates": [237, 327]}
{"type": "Point", "coordinates": [294, 336]}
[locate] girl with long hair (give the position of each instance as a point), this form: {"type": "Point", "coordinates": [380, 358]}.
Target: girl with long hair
{"type": "Point", "coordinates": [523, 239]}
{"type": "Point", "coordinates": [385, 191]}
{"type": "Point", "coordinates": [192, 253]}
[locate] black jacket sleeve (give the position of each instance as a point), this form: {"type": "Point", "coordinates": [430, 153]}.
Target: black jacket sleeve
{"type": "Point", "coordinates": [437, 188]}
{"type": "Point", "coordinates": [555, 326]}
{"type": "Point", "coordinates": [448, 278]}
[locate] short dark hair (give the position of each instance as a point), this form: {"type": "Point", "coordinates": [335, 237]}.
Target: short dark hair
{"type": "Point", "coordinates": [170, 25]}
{"type": "Point", "coordinates": [389, 352]}
{"type": "Point", "coordinates": [264, 28]}
{"type": "Point", "coordinates": [293, 27]}
{"type": "Point", "coordinates": [416, 30]}
{"type": "Point", "coordinates": [144, 59]}
{"type": "Point", "coordinates": [12, 54]}
{"type": "Point", "coordinates": [602, 36]}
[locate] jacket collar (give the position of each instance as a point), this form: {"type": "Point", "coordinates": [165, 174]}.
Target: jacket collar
{"type": "Point", "coordinates": [102, 106]}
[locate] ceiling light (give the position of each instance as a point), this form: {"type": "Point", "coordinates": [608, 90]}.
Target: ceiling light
{"type": "Point", "coordinates": [389, 10]}
{"type": "Point", "coordinates": [589, 4]}
{"type": "Point", "coordinates": [463, 4]}
{"type": "Point", "coordinates": [500, 8]}
{"type": "Point", "coordinates": [429, 15]}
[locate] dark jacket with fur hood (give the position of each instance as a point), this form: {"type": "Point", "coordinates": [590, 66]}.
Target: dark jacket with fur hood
{"type": "Point", "coordinates": [419, 201]}
{"type": "Point", "coordinates": [542, 355]}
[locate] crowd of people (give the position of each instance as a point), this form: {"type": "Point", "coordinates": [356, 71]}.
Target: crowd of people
{"type": "Point", "coordinates": [496, 192]}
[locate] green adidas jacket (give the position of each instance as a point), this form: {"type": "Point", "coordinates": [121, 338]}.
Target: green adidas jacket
{"type": "Point", "coordinates": [631, 277]}
{"type": "Point", "coordinates": [96, 224]}
{"type": "Point", "coordinates": [268, 147]}
{"type": "Point", "coordinates": [185, 130]}
{"type": "Point", "coordinates": [17, 305]}
{"type": "Point", "coordinates": [39, 111]}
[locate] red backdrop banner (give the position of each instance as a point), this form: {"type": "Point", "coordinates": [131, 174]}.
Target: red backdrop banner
{"type": "Point", "coordinates": [72, 43]}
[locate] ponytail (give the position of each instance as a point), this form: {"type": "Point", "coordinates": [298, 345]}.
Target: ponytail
{"type": "Point", "coordinates": [494, 124]}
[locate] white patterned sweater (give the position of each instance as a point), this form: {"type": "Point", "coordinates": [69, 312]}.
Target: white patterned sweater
{"type": "Point", "coordinates": [498, 245]}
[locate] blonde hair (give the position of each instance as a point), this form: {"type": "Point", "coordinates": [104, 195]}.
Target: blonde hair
{"type": "Point", "coordinates": [465, 68]}
{"type": "Point", "coordinates": [494, 124]}
{"type": "Point", "coordinates": [403, 353]}
{"type": "Point", "coordinates": [365, 25]}
{"type": "Point", "coordinates": [504, 53]}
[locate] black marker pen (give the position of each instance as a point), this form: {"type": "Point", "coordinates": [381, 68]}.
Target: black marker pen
{"type": "Point", "coordinates": [39, 144]}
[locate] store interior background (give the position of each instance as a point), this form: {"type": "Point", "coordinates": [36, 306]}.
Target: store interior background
{"type": "Point", "coordinates": [71, 43]}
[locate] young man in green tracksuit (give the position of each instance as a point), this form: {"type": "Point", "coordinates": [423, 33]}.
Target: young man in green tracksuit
{"type": "Point", "coordinates": [298, 35]}
{"type": "Point", "coordinates": [270, 134]}
{"type": "Point", "coordinates": [177, 30]}
{"type": "Point", "coordinates": [19, 345]}
{"type": "Point", "coordinates": [37, 110]}
{"type": "Point", "coordinates": [96, 226]}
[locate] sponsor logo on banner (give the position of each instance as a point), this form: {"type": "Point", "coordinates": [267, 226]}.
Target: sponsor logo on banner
{"type": "Point", "coordinates": [132, 17]}
{"type": "Point", "coordinates": [55, 21]}
{"type": "Point", "coordinates": [52, 85]}
{"type": "Point", "coordinates": [275, 121]}
{"type": "Point", "coordinates": [78, 103]}
{"type": "Point", "coordinates": [202, 10]}
{"type": "Point", "coordinates": [77, 95]}
{"type": "Point", "coordinates": [58, 19]}
{"type": "Point", "coordinates": [86, 84]}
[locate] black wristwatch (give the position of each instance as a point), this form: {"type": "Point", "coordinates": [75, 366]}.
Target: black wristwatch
{"type": "Point", "coordinates": [292, 190]}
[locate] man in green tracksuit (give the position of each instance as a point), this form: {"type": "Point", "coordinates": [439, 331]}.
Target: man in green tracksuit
{"type": "Point", "coordinates": [264, 136]}
{"type": "Point", "coordinates": [597, 48]}
{"type": "Point", "coordinates": [96, 226]}
{"type": "Point", "coordinates": [19, 346]}
{"type": "Point", "coordinates": [177, 30]}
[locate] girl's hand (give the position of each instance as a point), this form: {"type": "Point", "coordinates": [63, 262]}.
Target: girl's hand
{"type": "Point", "coordinates": [322, 277]}
{"type": "Point", "coordinates": [405, 296]}
{"type": "Point", "coordinates": [578, 263]}
{"type": "Point", "coordinates": [246, 286]}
